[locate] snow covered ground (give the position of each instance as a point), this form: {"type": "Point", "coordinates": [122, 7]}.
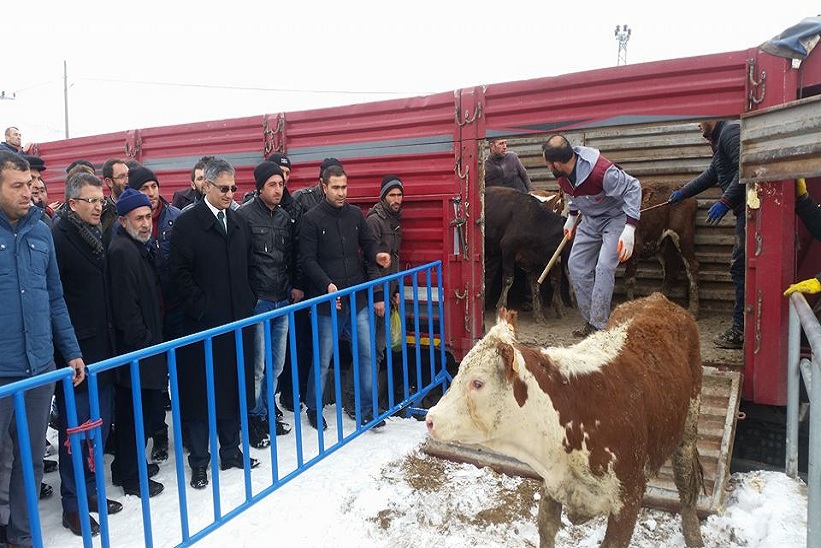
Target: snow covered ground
{"type": "Point", "coordinates": [381, 491]}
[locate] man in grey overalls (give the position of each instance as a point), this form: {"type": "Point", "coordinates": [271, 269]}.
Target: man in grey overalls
{"type": "Point", "coordinates": [609, 200]}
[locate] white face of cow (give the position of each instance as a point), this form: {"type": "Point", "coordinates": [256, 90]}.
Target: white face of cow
{"type": "Point", "coordinates": [480, 400]}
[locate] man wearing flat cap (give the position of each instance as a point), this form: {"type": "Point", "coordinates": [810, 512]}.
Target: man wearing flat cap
{"type": "Point", "coordinates": [39, 193]}
{"type": "Point", "coordinates": [163, 217]}
{"type": "Point", "coordinates": [272, 279]}
{"type": "Point", "coordinates": [136, 301]}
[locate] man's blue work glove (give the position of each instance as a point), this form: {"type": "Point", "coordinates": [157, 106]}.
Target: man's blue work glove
{"type": "Point", "coordinates": [676, 197]}
{"type": "Point", "coordinates": [717, 212]}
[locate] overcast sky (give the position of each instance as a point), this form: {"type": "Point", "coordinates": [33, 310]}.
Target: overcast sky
{"type": "Point", "coordinates": [149, 63]}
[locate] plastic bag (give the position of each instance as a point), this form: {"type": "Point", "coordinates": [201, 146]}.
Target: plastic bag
{"type": "Point", "coordinates": [396, 329]}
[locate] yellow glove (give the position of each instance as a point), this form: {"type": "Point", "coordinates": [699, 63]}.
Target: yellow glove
{"type": "Point", "coordinates": [811, 287]}
{"type": "Point", "coordinates": [800, 187]}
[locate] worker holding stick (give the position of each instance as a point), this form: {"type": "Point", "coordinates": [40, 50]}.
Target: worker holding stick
{"type": "Point", "coordinates": [609, 198]}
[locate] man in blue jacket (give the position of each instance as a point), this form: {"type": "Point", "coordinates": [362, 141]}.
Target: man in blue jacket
{"type": "Point", "coordinates": [36, 320]}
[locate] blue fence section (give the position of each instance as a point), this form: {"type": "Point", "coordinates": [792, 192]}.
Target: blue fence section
{"type": "Point", "coordinates": [423, 303]}
{"type": "Point", "coordinates": [807, 369]}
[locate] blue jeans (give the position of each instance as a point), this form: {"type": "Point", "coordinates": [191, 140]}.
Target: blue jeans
{"type": "Point", "coordinates": [279, 338]}
{"type": "Point", "coordinates": [326, 349]}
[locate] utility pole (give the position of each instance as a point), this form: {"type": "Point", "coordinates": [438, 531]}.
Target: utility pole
{"type": "Point", "coordinates": [65, 93]}
{"type": "Point", "coordinates": [622, 35]}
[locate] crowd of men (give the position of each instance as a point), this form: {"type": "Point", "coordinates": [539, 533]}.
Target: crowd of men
{"type": "Point", "coordinates": [98, 274]}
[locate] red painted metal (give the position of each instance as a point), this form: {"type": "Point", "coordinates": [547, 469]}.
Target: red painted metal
{"type": "Point", "coordinates": [433, 144]}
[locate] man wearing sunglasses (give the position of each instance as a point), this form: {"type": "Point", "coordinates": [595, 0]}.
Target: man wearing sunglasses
{"type": "Point", "coordinates": [211, 257]}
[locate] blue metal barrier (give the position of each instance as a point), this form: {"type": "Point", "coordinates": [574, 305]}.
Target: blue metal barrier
{"type": "Point", "coordinates": [408, 403]}
{"type": "Point", "coordinates": [808, 370]}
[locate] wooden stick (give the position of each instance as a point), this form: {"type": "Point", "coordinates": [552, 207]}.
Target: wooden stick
{"type": "Point", "coordinates": [553, 259]}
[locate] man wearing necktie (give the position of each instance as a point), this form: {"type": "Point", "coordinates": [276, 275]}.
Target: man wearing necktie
{"type": "Point", "coordinates": [211, 256]}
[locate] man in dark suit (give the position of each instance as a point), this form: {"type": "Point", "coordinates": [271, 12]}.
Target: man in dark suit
{"type": "Point", "coordinates": [211, 257]}
{"type": "Point", "coordinates": [136, 299]}
{"type": "Point", "coordinates": [78, 243]}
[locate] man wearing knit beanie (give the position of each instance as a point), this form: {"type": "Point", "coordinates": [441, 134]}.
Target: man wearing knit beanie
{"type": "Point", "coordinates": [137, 317]}
{"type": "Point", "coordinates": [272, 278]}
{"type": "Point", "coordinates": [163, 217]}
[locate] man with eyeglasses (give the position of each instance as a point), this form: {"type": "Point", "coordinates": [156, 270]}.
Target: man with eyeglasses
{"type": "Point", "coordinates": [80, 250]}
{"type": "Point", "coordinates": [36, 321]}
{"type": "Point", "coordinates": [211, 258]}
{"type": "Point", "coordinates": [163, 217]}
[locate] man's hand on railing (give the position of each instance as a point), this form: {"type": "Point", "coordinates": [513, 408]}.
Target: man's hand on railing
{"type": "Point", "coordinates": [79, 370]}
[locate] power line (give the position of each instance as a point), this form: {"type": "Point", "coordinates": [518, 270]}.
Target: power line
{"type": "Point", "coordinates": [254, 88]}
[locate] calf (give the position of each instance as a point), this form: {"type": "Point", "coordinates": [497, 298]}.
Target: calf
{"type": "Point", "coordinates": [668, 232]}
{"type": "Point", "coordinates": [521, 231]}
{"type": "Point", "coordinates": [594, 420]}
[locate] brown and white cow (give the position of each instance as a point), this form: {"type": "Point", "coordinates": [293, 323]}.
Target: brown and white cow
{"type": "Point", "coordinates": [594, 420]}
{"type": "Point", "coordinates": [668, 233]}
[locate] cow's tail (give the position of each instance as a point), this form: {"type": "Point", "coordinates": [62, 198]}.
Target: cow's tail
{"type": "Point", "coordinates": [689, 475]}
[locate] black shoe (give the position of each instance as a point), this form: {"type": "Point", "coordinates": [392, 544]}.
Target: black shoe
{"type": "Point", "coordinates": [152, 469]}
{"type": "Point", "coordinates": [313, 421]}
{"type": "Point", "coordinates": [732, 339]}
{"type": "Point", "coordinates": [45, 491]}
{"type": "Point", "coordinates": [71, 520]}
{"type": "Point", "coordinates": [132, 487]}
{"type": "Point", "coordinates": [282, 427]}
{"type": "Point", "coordinates": [167, 403]}
{"type": "Point", "coordinates": [199, 477]}
{"type": "Point", "coordinates": [237, 462]}
{"type": "Point", "coordinates": [588, 329]}
{"type": "Point", "coordinates": [257, 433]}
{"type": "Point", "coordinates": [112, 506]}
{"type": "Point", "coordinates": [366, 420]}
{"type": "Point", "coordinates": [350, 410]}
{"type": "Point", "coordinates": [49, 466]}
{"type": "Point", "coordinates": [160, 450]}
{"type": "Point", "coordinates": [286, 402]}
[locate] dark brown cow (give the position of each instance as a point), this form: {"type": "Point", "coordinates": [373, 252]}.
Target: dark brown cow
{"type": "Point", "coordinates": [594, 420]}
{"type": "Point", "coordinates": [521, 231]}
{"type": "Point", "coordinates": [668, 233]}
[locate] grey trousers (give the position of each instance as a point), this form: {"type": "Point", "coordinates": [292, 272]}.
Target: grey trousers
{"type": "Point", "coordinates": [38, 407]}
{"type": "Point", "coordinates": [592, 266]}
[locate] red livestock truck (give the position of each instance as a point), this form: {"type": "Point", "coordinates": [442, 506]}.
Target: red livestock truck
{"type": "Point", "coordinates": [641, 116]}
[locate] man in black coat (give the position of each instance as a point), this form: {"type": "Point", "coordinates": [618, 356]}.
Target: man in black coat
{"type": "Point", "coordinates": [78, 243]}
{"type": "Point", "coordinates": [330, 238]}
{"type": "Point", "coordinates": [724, 137]}
{"type": "Point", "coordinates": [211, 257]}
{"type": "Point", "coordinates": [137, 309]}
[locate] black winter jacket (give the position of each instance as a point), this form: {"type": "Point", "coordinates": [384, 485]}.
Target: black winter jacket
{"type": "Point", "coordinates": [330, 239]}
{"type": "Point", "coordinates": [723, 170]}
{"type": "Point", "coordinates": [272, 274]}
{"type": "Point", "coordinates": [137, 306]}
